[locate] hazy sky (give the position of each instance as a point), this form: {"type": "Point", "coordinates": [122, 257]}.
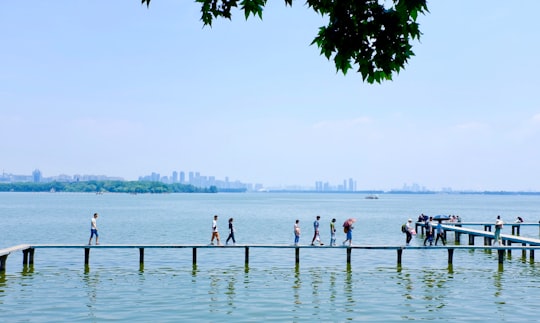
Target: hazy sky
{"type": "Point", "coordinates": [114, 88]}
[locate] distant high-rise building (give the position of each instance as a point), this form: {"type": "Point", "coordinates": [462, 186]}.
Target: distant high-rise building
{"type": "Point", "coordinates": [191, 178]}
{"type": "Point", "coordinates": [352, 185]}
{"type": "Point", "coordinates": [182, 177]}
{"type": "Point", "coordinates": [175, 177]}
{"type": "Point", "coordinates": [36, 175]}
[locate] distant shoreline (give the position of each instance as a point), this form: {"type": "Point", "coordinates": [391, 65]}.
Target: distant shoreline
{"type": "Point", "coordinates": [142, 187]}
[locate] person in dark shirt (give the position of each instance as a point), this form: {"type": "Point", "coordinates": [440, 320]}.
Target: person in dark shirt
{"type": "Point", "coordinates": [231, 232]}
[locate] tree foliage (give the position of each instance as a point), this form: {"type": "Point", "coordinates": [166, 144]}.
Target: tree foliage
{"type": "Point", "coordinates": [374, 38]}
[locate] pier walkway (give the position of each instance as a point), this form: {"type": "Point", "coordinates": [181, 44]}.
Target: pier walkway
{"type": "Point", "coordinates": [516, 227]}
{"type": "Point", "coordinates": [28, 250]}
{"type": "Point", "coordinates": [507, 239]}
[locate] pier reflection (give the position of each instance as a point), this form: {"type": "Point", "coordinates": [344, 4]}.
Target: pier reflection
{"type": "Point", "coordinates": [91, 284]}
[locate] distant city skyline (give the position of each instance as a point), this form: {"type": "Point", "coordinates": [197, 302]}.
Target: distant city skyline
{"type": "Point", "coordinates": [204, 181]}
{"type": "Point", "coordinates": [183, 177]}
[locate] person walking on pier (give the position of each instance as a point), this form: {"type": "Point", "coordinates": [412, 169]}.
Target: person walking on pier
{"type": "Point", "coordinates": [296, 232]}
{"type": "Point", "coordinates": [429, 231]}
{"type": "Point", "coordinates": [440, 233]}
{"type": "Point", "coordinates": [333, 232]}
{"type": "Point", "coordinates": [498, 227]}
{"type": "Point", "coordinates": [347, 228]}
{"type": "Point", "coordinates": [408, 232]}
{"type": "Point", "coordinates": [316, 236]}
{"type": "Point", "coordinates": [93, 229]}
{"type": "Point", "coordinates": [231, 232]}
{"type": "Point", "coordinates": [215, 232]}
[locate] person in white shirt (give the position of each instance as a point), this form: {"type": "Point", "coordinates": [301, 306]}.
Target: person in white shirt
{"type": "Point", "coordinates": [408, 231]}
{"type": "Point", "coordinates": [94, 230]}
{"type": "Point", "coordinates": [215, 233]}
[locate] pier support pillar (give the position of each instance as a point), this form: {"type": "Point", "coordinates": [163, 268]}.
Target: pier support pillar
{"type": "Point", "coordinates": [86, 256]}
{"type": "Point", "coordinates": [509, 251]}
{"type": "Point", "coordinates": [247, 256]}
{"type": "Point", "coordinates": [532, 254]}
{"type": "Point", "coordinates": [3, 260]}
{"type": "Point", "coordinates": [501, 255]}
{"type": "Point", "coordinates": [524, 252]}
{"type": "Point", "coordinates": [450, 256]}
{"type": "Point", "coordinates": [421, 228]}
{"type": "Point", "coordinates": [349, 255]}
{"type": "Point", "coordinates": [297, 256]}
{"type": "Point", "coordinates": [141, 256]}
{"type": "Point", "coordinates": [399, 254]}
{"type": "Point", "coordinates": [194, 256]}
{"type": "Point", "coordinates": [28, 256]}
{"type": "Point", "coordinates": [487, 240]}
{"type": "Point", "coordinates": [457, 236]}
{"type": "Point", "coordinates": [471, 240]}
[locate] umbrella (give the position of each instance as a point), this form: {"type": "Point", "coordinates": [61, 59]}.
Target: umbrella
{"type": "Point", "coordinates": [349, 222]}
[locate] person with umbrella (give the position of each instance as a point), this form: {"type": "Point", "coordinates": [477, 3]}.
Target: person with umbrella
{"type": "Point", "coordinates": [347, 228]}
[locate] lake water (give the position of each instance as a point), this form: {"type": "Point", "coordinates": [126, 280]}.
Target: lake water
{"type": "Point", "coordinates": [220, 288]}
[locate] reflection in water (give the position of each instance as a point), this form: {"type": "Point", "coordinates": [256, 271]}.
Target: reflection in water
{"type": "Point", "coordinates": [28, 270]}
{"type": "Point", "coordinates": [91, 284]}
{"type": "Point", "coordinates": [231, 293]}
{"type": "Point", "coordinates": [2, 285]}
{"type": "Point", "coordinates": [297, 285]}
{"type": "Point", "coordinates": [223, 283]}
{"type": "Point", "coordinates": [332, 287]}
{"type": "Point", "coordinates": [214, 291]}
{"type": "Point", "coordinates": [407, 282]}
{"type": "Point", "coordinates": [497, 282]}
{"type": "Point", "coordinates": [433, 283]}
{"type": "Point", "coordinates": [348, 291]}
{"type": "Point", "coordinates": [316, 282]}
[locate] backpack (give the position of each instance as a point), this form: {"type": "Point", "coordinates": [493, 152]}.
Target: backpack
{"type": "Point", "coordinates": [404, 228]}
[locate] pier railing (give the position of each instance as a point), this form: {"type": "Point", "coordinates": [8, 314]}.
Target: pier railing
{"type": "Point", "coordinates": [28, 250]}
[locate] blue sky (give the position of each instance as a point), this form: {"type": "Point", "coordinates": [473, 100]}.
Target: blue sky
{"type": "Point", "coordinates": [114, 88]}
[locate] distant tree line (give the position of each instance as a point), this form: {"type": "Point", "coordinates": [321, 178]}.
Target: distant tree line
{"type": "Point", "coordinates": [106, 187]}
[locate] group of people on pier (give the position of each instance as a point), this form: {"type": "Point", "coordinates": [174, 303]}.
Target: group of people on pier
{"type": "Point", "coordinates": [434, 231]}
{"type": "Point", "coordinates": [347, 229]}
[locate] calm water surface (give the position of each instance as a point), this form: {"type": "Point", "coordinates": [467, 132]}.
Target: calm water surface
{"type": "Point", "coordinates": [169, 289]}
